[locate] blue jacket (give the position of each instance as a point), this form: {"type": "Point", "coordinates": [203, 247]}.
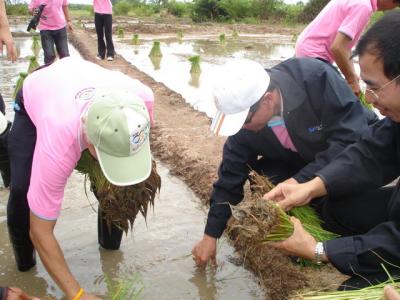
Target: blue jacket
{"type": "Point", "coordinates": [322, 116]}
{"type": "Point", "coordinates": [372, 162]}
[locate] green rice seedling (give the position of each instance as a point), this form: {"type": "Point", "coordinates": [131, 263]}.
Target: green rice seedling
{"type": "Point", "coordinates": [19, 83]}
{"type": "Point", "coordinates": [222, 38]}
{"type": "Point", "coordinates": [155, 50]}
{"type": "Point", "coordinates": [33, 64]}
{"type": "Point", "coordinates": [135, 39]}
{"type": "Point", "coordinates": [195, 67]}
{"type": "Point", "coordinates": [179, 34]}
{"type": "Point", "coordinates": [35, 44]}
{"type": "Point", "coordinates": [364, 102]}
{"type": "Point", "coordinates": [373, 292]}
{"type": "Point", "coordinates": [294, 38]}
{"type": "Point", "coordinates": [235, 34]}
{"type": "Point", "coordinates": [124, 289]}
{"type": "Point", "coordinates": [120, 33]}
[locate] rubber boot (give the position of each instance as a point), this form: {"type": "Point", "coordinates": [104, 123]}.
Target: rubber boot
{"type": "Point", "coordinates": [24, 252]}
{"type": "Point", "coordinates": [108, 239]}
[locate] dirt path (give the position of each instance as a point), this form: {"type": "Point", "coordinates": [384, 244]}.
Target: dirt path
{"type": "Point", "coordinates": [182, 140]}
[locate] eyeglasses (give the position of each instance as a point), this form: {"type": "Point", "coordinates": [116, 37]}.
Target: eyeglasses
{"type": "Point", "coordinates": [374, 94]}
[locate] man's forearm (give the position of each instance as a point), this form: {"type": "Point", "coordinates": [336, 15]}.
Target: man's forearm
{"type": "Point", "coordinates": [316, 187]}
{"type": "Point", "coordinates": [66, 13]}
{"type": "Point", "coordinates": [345, 64]}
{"type": "Point", "coordinates": [3, 15]}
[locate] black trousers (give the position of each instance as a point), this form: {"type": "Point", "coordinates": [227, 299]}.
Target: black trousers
{"type": "Point", "coordinates": [283, 164]}
{"type": "Point", "coordinates": [4, 159]}
{"type": "Point", "coordinates": [21, 146]}
{"type": "Point", "coordinates": [103, 24]}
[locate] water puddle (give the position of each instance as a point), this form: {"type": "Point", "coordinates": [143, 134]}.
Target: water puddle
{"type": "Point", "coordinates": [173, 68]}
{"type": "Point", "coordinates": [157, 250]}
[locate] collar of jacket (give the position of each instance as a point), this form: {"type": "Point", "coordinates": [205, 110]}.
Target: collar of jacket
{"type": "Point", "coordinates": [293, 94]}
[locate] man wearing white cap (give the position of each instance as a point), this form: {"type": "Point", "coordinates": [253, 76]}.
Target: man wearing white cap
{"type": "Point", "coordinates": [103, 111]}
{"type": "Point", "coordinates": [287, 122]}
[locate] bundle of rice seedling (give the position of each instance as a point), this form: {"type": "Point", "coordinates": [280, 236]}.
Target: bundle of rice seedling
{"type": "Point", "coordinates": [156, 62]}
{"type": "Point", "coordinates": [120, 33]}
{"type": "Point", "coordinates": [235, 34]}
{"type": "Point", "coordinates": [35, 42]}
{"type": "Point", "coordinates": [179, 34]}
{"type": "Point", "coordinates": [126, 289]}
{"type": "Point", "coordinates": [19, 83]}
{"type": "Point", "coordinates": [155, 50]}
{"type": "Point", "coordinates": [222, 38]}
{"type": "Point", "coordinates": [373, 292]}
{"type": "Point", "coordinates": [364, 102]}
{"type": "Point", "coordinates": [195, 67]}
{"type": "Point", "coordinates": [33, 64]}
{"type": "Point", "coordinates": [195, 79]}
{"type": "Point", "coordinates": [135, 39]}
{"type": "Point", "coordinates": [262, 185]}
{"type": "Point", "coordinates": [119, 204]}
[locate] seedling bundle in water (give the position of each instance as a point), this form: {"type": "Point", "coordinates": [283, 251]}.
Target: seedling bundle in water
{"type": "Point", "coordinates": [235, 34]}
{"type": "Point", "coordinates": [119, 204]}
{"type": "Point", "coordinates": [33, 64]}
{"type": "Point", "coordinates": [135, 39]}
{"type": "Point", "coordinates": [120, 33]}
{"type": "Point", "coordinates": [125, 289]}
{"type": "Point", "coordinates": [195, 67]}
{"type": "Point", "coordinates": [179, 34]}
{"type": "Point", "coordinates": [222, 38]}
{"type": "Point", "coordinates": [155, 50]}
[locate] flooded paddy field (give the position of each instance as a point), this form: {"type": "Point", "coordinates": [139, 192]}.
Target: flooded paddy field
{"type": "Point", "coordinates": [159, 252]}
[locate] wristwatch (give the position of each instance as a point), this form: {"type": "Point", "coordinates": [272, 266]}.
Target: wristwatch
{"type": "Point", "coordinates": [319, 253]}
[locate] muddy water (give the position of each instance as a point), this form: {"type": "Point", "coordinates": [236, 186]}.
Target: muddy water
{"type": "Point", "coordinates": [173, 69]}
{"type": "Point", "coordinates": [157, 251]}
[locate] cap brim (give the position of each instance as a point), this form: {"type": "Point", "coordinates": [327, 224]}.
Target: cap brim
{"type": "Point", "coordinates": [228, 124]}
{"type": "Point", "coordinates": [129, 170]}
{"type": "Point", "coordinates": [3, 123]}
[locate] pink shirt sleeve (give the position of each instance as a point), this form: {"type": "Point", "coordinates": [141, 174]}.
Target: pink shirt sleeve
{"type": "Point", "coordinates": [355, 21]}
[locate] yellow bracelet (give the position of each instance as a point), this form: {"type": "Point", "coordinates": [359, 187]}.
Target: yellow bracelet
{"type": "Point", "coordinates": [78, 294]}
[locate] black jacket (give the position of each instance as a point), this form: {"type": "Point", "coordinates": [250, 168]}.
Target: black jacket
{"type": "Point", "coordinates": [322, 117]}
{"type": "Point", "coordinates": [371, 163]}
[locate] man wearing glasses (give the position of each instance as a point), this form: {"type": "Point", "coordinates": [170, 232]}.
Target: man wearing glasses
{"type": "Point", "coordinates": [359, 208]}
{"type": "Point", "coordinates": [287, 123]}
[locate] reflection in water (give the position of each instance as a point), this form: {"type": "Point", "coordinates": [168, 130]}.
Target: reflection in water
{"type": "Point", "coordinates": [204, 280]}
{"type": "Point", "coordinates": [156, 61]}
{"type": "Point", "coordinates": [195, 79]}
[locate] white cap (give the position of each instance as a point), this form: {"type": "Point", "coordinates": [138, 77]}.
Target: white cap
{"type": "Point", "coordinates": [239, 84]}
{"type": "Point", "coordinates": [3, 123]}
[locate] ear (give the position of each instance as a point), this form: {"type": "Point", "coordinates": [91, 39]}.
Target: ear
{"type": "Point", "coordinates": [268, 100]}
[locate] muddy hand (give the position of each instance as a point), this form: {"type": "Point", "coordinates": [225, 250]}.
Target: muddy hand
{"type": "Point", "coordinates": [300, 243]}
{"type": "Point", "coordinates": [391, 294]}
{"type": "Point", "coordinates": [14, 293]}
{"type": "Point", "coordinates": [204, 251]}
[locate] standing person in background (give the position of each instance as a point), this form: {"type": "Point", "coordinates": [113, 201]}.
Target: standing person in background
{"type": "Point", "coordinates": [336, 29]}
{"type": "Point", "coordinates": [5, 34]}
{"type": "Point", "coordinates": [103, 22]}
{"type": "Point", "coordinates": [53, 27]}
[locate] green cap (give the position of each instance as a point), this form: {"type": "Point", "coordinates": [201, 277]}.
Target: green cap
{"type": "Point", "coordinates": [118, 126]}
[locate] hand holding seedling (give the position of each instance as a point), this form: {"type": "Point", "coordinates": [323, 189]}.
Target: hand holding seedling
{"type": "Point", "coordinates": [204, 251]}
{"type": "Point", "coordinates": [293, 195]}
{"type": "Point", "coordinates": [300, 243]}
